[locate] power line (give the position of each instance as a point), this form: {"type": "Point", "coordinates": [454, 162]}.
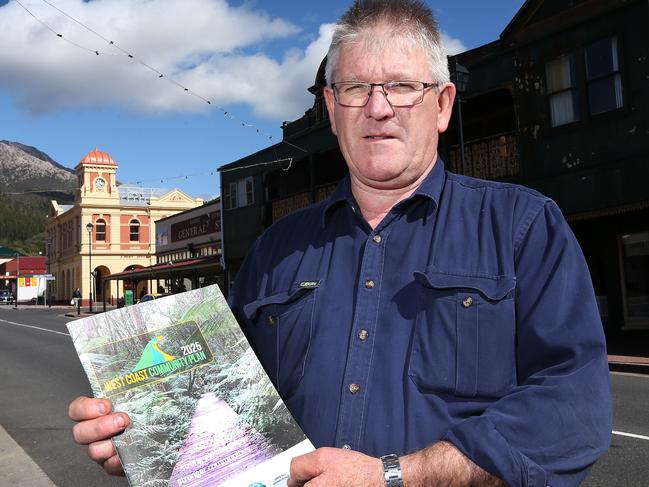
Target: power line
{"type": "Point", "coordinates": [160, 74]}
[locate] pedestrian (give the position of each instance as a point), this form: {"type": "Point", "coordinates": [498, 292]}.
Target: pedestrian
{"type": "Point", "coordinates": [435, 329]}
{"type": "Point", "coordinates": [76, 296]}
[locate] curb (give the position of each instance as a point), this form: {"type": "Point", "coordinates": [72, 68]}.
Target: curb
{"type": "Point", "coordinates": [17, 468]}
{"type": "Point", "coordinates": [628, 368]}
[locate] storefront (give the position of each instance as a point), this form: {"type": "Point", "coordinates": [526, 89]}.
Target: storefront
{"type": "Point", "coordinates": [188, 255]}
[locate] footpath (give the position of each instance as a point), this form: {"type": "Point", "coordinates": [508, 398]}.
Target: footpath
{"type": "Point", "coordinates": [17, 468]}
{"type": "Point", "coordinates": [628, 351]}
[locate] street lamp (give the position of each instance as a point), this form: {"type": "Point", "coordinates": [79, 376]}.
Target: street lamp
{"type": "Point", "coordinates": [460, 78]}
{"type": "Point", "coordinates": [89, 228]}
{"type": "Point", "coordinates": [48, 295]}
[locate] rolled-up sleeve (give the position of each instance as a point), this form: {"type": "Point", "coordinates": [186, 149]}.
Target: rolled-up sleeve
{"type": "Point", "coordinates": [556, 422]}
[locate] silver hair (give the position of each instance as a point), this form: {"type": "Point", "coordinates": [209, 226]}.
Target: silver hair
{"type": "Point", "coordinates": [408, 22]}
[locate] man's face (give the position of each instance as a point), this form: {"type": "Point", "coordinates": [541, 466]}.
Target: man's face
{"type": "Point", "coordinates": [386, 147]}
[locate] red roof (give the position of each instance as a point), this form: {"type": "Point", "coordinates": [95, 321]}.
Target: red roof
{"type": "Point", "coordinates": [98, 157]}
{"type": "Point", "coordinates": [27, 265]}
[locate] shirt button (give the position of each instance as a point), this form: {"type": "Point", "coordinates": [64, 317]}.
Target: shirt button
{"type": "Point", "coordinates": [271, 320]}
{"type": "Point", "coordinates": [346, 447]}
{"type": "Point", "coordinates": [376, 238]}
{"type": "Point", "coordinates": [369, 284]}
{"type": "Point", "coordinates": [467, 302]}
{"type": "Point", "coordinates": [354, 388]}
{"type": "Point", "coordinates": [363, 334]}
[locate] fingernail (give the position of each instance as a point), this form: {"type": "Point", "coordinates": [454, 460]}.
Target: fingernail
{"type": "Point", "coordinates": [102, 408]}
{"type": "Point", "coordinates": [119, 421]}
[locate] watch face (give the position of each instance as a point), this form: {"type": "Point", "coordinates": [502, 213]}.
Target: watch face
{"type": "Point", "coordinates": [100, 183]}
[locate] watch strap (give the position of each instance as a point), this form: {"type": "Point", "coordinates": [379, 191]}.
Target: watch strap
{"type": "Point", "coordinates": [392, 470]}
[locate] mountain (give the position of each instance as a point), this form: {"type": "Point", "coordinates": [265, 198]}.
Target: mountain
{"type": "Point", "coordinates": [29, 179]}
{"type": "Point", "coordinates": [23, 167]}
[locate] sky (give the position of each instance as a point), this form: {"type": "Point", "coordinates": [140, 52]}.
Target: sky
{"type": "Point", "coordinates": [253, 60]}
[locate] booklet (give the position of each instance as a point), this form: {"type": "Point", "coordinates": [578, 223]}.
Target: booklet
{"type": "Point", "coordinates": [203, 411]}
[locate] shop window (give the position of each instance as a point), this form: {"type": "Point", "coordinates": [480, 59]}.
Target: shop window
{"type": "Point", "coordinates": [100, 230]}
{"type": "Point", "coordinates": [239, 193]}
{"type": "Point", "coordinates": [562, 90]}
{"type": "Point", "coordinates": [603, 76]}
{"type": "Point", "coordinates": [134, 231]}
{"type": "Point", "coordinates": [635, 275]}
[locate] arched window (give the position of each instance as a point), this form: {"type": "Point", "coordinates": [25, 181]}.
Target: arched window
{"type": "Point", "coordinates": [100, 230]}
{"type": "Point", "coordinates": [134, 231]}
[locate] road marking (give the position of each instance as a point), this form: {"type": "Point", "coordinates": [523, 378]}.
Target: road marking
{"type": "Point", "coordinates": [35, 327]}
{"type": "Point", "coordinates": [632, 435]}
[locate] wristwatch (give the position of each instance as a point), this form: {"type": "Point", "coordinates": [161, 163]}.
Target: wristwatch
{"type": "Point", "coordinates": [392, 470]}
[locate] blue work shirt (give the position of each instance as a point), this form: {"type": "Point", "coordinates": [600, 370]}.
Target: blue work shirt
{"type": "Point", "coordinates": [466, 315]}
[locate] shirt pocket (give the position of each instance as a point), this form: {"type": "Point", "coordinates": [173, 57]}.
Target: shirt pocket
{"type": "Point", "coordinates": [464, 336]}
{"type": "Point", "coordinates": [283, 328]}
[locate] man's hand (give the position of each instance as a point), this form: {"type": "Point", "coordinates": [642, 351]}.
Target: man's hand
{"type": "Point", "coordinates": [96, 425]}
{"type": "Point", "coordinates": [334, 467]}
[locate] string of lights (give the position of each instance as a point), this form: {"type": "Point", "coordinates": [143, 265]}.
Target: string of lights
{"type": "Point", "coordinates": [30, 191]}
{"type": "Point", "coordinates": [211, 173]}
{"type": "Point", "coordinates": [162, 180]}
{"type": "Point", "coordinates": [59, 35]}
{"type": "Point", "coordinates": [238, 168]}
{"type": "Point", "coordinates": [158, 73]}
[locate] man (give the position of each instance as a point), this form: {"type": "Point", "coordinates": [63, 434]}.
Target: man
{"type": "Point", "coordinates": [442, 323]}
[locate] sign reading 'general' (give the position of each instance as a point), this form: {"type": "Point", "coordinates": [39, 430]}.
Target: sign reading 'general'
{"type": "Point", "coordinates": [196, 227]}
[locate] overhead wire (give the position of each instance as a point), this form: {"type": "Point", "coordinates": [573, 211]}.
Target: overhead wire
{"type": "Point", "coordinates": [162, 180]}
{"type": "Point", "coordinates": [159, 73]}
{"type": "Point", "coordinates": [30, 191]}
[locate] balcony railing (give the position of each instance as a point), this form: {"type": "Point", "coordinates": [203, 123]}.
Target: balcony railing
{"type": "Point", "coordinates": [288, 205]}
{"type": "Point", "coordinates": [493, 157]}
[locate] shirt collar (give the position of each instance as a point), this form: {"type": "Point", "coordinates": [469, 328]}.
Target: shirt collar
{"type": "Point", "coordinates": [430, 188]}
{"type": "Point", "coordinates": [342, 194]}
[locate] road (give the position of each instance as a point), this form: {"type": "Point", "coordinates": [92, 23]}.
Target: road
{"type": "Point", "coordinates": [40, 373]}
{"type": "Point", "coordinates": [627, 462]}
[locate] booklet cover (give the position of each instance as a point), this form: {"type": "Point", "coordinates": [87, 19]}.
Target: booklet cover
{"type": "Point", "coordinates": [203, 411]}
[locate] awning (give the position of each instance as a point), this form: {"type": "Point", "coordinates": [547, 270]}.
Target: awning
{"type": "Point", "coordinates": [610, 211]}
{"type": "Point", "coordinates": [194, 267]}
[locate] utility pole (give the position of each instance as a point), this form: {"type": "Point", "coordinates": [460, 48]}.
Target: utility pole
{"type": "Point", "coordinates": [89, 228]}
{"type": "Point", "coordinates": [17, 278]}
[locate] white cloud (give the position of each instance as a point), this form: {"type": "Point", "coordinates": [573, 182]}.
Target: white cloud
{"type": "Point", "coordinates": [452, 45]}
{"type": "Point", "coordinates": [191, 41]}
{"type": "Point", "coordinates": [276, 89]}
{"type": "Point", "coordinates": [212, 48]}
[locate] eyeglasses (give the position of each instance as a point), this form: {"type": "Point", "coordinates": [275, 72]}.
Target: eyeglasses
{"type": "Point", "coordinates": [398, 93]}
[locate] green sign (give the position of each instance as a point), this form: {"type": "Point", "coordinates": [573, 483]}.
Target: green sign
{"type": "Point", "coordinates": [151, 357]}
{"type": "Point", "coordinates": [128, 298]}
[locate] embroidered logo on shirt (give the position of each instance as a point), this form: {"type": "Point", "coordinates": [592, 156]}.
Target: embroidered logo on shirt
{"type": "Point", "coordinates": [308, 284]}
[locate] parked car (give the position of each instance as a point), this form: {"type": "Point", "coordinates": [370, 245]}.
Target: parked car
{"type": "Point", "coordinates": [6, 297]}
